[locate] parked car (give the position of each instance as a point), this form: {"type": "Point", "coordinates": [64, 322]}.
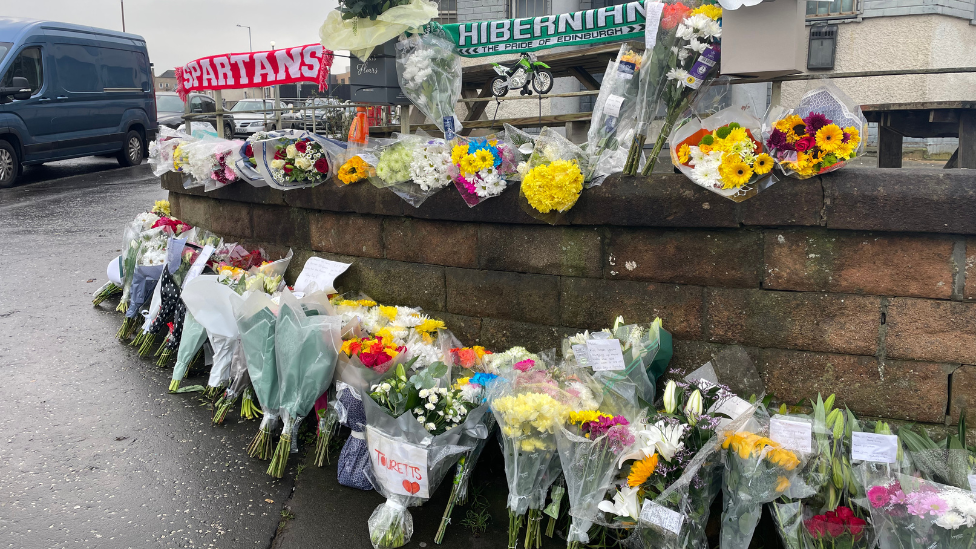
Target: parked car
{"type": "Point", "coordinates": [250, 122]}
{"type": "Point", "coordinates": [68, 91]}
{"type": "Point", "coordinates": [170, 110]}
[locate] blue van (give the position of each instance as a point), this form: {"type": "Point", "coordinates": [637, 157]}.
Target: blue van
{"type": "Point", "coordinates": [68, 91]}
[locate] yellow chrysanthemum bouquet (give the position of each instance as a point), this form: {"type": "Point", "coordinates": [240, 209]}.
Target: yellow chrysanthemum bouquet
{"type": "Point", "coordinates": [723, 153]}
{"type": "Point", "coordinates": [552, 178]}
{"type": "Point", "coordinates": [530, 407]}
{"type": "Point", "coordinates": [824, 132]}
{"type": "Point", "coordinates": [757, 471]}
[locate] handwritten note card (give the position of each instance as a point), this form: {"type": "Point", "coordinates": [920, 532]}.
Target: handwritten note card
{"type": "Point", "coordinates": [872, 447]}
{"type": "Point", "coordinates": [400, 467]}
{"type": "Point", "coordinates": [605, 355]}
{"type": "Point", "coordinates": [791, 433]}
{"type": "Point", "coordinates": [669, 520]}
{"type": "Point", "coordinates": [319, 275]}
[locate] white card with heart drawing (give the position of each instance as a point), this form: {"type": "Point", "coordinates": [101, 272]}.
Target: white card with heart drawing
{"type": "Point", "coordinates": [399, 466]}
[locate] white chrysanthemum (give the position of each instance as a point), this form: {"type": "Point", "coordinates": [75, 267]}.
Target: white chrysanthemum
{"type": "Point", "coordinates": [429, 406]}
{"type": "Point", "coordinates": [696, 46]}
{"type": "Point", "coordinates": [408, 317]}
{"type": "Point", "coordinates": [430, 426]}
{"type": "Point", "coordinates": [471, 393]}
{"type": "Point", "coordinates": [424, 393]}
{"type": "Point", "coordinates": [425, 355]}
{"type": "Point", "coordinates": [950, 521]}
{"type": "Point", "coordinates": [147, 219]}
{"type": "Point", "coordinates": [677, 74]}
{"type": "Point", "coordinates": [432, 399]}
{"type": "Point", "coordinates": [685, 32]}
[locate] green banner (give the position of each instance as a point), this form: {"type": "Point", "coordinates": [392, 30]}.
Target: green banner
{"type": "Point", "coordinates": [609, 24]}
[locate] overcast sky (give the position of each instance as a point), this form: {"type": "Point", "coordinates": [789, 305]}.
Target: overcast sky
{"type": "Point", "coordinates": [177, 31]}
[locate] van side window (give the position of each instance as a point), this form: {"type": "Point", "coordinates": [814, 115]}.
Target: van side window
{"type": "Point", "coordinates": [78, 67]}
{"type": "Point", "coordinates": [28, 65]}
{"type": "Point", "coordinates": [124, 69]}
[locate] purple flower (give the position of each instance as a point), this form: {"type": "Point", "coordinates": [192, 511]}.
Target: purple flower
{"type": "Point", "coordinates": [777, 141]}
{"type": "Point", "coordinates": [815, 121]}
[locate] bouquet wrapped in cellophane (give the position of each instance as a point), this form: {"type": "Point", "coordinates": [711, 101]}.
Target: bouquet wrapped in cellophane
{"type": "Point", "coordinates": [167, 153]}
{"type": "Point", "coordinates": [757, 470]}
{"type": "Point", "coordinates": [429, 72]}
{"type": "Point", "coordinates": [416, 430]}
{"type": "Point", "coordinates": [820, 135]}
{"type": "Point", "coordinates": [213, 162]}
{"type": "Point", "coordinates": [552, 177]}
{"type": "Point", "coordinates": [247, 164]}
{"type": "Point", "coordinates": [481, 167]}
{"type": "Point", "coordinates": [723, 153]}
{"type": "Point", "coordinates": [914, 513]}
{"type": "Point", "coordinates": [685, 55]}
{"type": "Point", "coordinates": [530, 405]}
{"type": "Point", "coordinates": [294, 159]}
{"type": "Point", "coordinates": [359, 26]}
{"type": "Point", "coordinates": [614, 121]}
{"type": "Point", "coordinates": [307, 343]}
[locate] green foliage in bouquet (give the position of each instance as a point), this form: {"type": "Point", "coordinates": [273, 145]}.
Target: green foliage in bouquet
{"type": "Point", "coordinates": [367, 9]}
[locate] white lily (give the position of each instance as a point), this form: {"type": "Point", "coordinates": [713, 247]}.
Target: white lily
{"type": "Point", "coordinates": [693, 410]}
{"type": "Point", "coordinates": [660, 438]}
{"type": "Point", "coordinates": [624, 504]}
{"type": "Point", "coordinates": [670, 405]}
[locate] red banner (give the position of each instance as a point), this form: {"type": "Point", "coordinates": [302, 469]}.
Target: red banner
{"type": "Point", "coordinates": [309, 63]}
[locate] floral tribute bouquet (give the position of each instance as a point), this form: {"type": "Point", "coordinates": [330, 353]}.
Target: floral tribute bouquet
{"type": "Point", "coordinates": [530, 407]}
{"type": "Point", "coordinates": [552, 178]}
{"type": "Point", "coordinates": [131, 242]}
{"type": "Point", "coordinates": [355, 170]}
{"type": "Point", "coordinates": [294, 160]}
{"type": "Point", "coordinates": [480, 167]}
{"type": "Point", "coordinates": [950, 461]}
{"type": "Point", "coordinates": [614, 120]}
{"type": "Point", "coordinates": [306, 349]}
{"type": "Point", "coordinates": [167, 153]}
{"type": "Point", "coordinates": [361, 25]}
{"type": "Point", "coordinates": [723, 153]}
{"type": "Point", "coordinates": [820, 135]}
{"type": "Point", "coordinates": [212, 162]}
{"type": "Point", "coordinates": [757, 470]}
{"type": "Point", "coordinates": [414, 167]}
{"type": "Point", "coordinates": [686, 55]}
{"type": "Point", "coordinates": [429, 71]}
{"type": "Point", "coordinates": [415, 432]}
{"type": "Point", "coordinates": [913, 513]}
{"type": "Point", "coordinates": [590, 445]}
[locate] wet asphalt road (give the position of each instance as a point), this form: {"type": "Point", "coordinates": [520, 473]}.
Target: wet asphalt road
{"type": "Point", "coordinates": [93, 452]}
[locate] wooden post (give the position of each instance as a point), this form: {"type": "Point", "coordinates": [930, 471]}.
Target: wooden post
{"type": "Point", "coordinates": [186, 121]}
{"type": "Point", "coordinates": [405, 119]}
{"type": "Point", "coordinates": [967, 139]}
{"type": "Point", "coordinates": [889, 147]}
{"type": "Point", "coordinates": [219, 100]}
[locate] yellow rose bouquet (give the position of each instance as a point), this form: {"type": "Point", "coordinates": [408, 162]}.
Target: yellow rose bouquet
{"type": "Point", "coordinates": [757, 471]}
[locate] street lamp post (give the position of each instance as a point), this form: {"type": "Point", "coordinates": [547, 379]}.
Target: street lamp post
{"type": "Point", "coordinates": [249, 47]}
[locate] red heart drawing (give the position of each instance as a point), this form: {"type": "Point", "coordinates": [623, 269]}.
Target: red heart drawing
{"type": "Point", "coordinates": [411, 487]}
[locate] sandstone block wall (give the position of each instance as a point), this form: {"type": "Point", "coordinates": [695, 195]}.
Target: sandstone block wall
{"type": "Point", "coordinates": [862, 282]}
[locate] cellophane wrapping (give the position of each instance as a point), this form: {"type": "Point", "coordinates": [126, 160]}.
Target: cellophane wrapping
{"type": "Point", "coordinates": [247, 165]}
{"type": "Point", "coordinates": [552, 178]}
{"type": "Point", "coordinates": [757, 471]}
{"type": "Point", "coordinates": [360, 36]}
{"type": "Point", "coordinates": [821, 134]}
{"type": "Point", "coordinates": [257, 318]}
{"type": "Point", "coordinates": [589, 467]}
{"type": "Point", "coordinates": [524, 144]}
{"type": "Point", "coordinates": [390, 525]}
{"type": "Point", "coordinates": [735, 166]}
{"type": "Point", "coordinates": [294, 159]}
{"type": "Point", "coordinates": [913, 513]}
{"type": "Point", "coordinates": [429, 72]}
{"type": "Point", "coordinates": [166, 154]}
{"type": "Point", "coordinates": [481, 167]}
{"type": "Point", "coordinates": [212, 162]}
{"type": "Point", "coordinates": [614, 121]}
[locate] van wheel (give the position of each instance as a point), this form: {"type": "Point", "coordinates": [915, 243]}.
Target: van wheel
{"type": "Point", "coordinates": [9, 164]}
{"type": "Point", "coordinates": [131, 153]}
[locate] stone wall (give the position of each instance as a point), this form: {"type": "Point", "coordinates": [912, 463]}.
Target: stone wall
{"type": "Point", "coordinates": [862, 282]}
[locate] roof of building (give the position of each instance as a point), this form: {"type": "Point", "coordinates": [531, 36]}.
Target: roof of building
{"type": "Point", "coordinates": [168, 74]}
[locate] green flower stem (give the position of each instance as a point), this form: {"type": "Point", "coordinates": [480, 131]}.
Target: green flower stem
{"type": "Point", "coordinates": [446, 519]}
{"type": "Point", "coordinates": [514, 527]}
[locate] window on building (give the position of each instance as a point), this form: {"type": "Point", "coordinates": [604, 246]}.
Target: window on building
{"type": "Point", "coordinates": [27, 64]}
{"type": "Point", "coordinates": [836, 8]}
{"type": "Point", "coordinates": [447, 11]}
{"type": "Point", "coordinates": [528, 8]}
